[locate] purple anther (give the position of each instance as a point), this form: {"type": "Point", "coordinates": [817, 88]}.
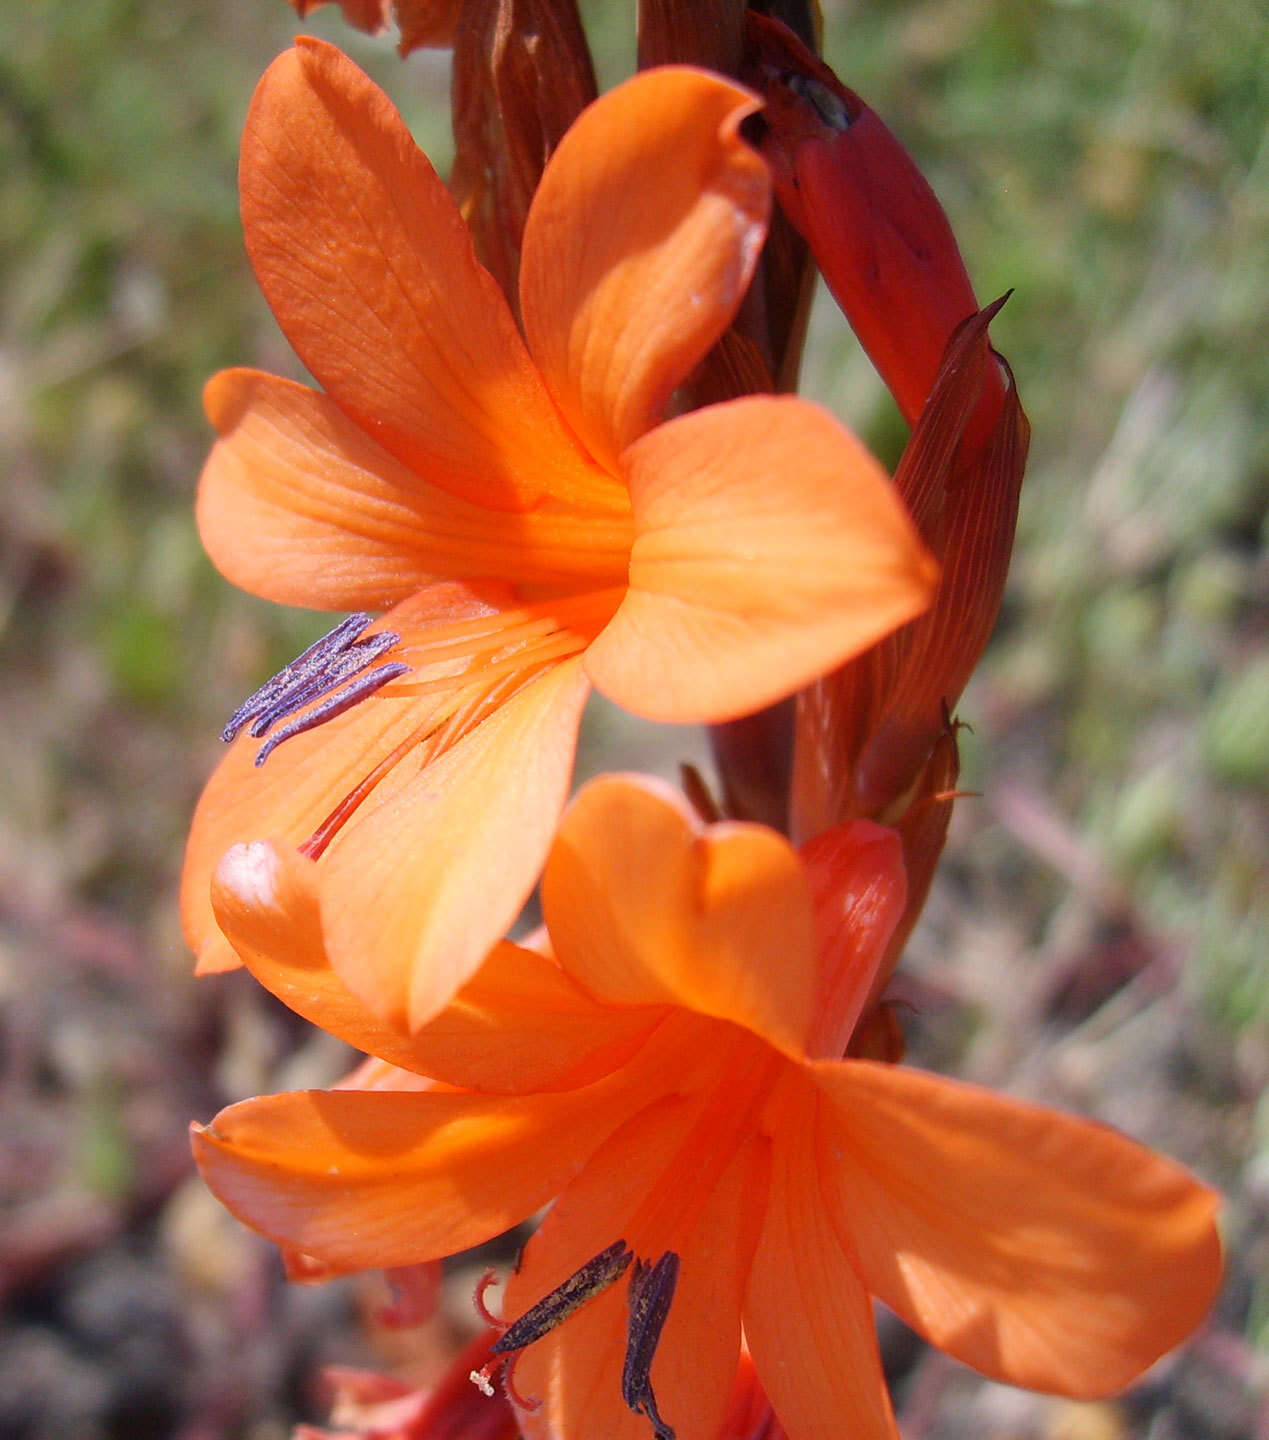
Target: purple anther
{"type": "Point", "coordinates": [371, 647]}
{"type": "Point", "coordinates": [332, 705]}
{"type": "Point", "coordinates": [338, 667]}
{"type": "Point", "coordinates": [582, 1285]}
{"type": "Point", "coordinates": [650, 1294]}
{"type": "Point", "coordinates": [312, 662]}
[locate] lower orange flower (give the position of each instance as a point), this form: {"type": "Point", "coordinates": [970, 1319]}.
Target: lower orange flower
{"type": "Point", "coordinates": [670, 1076]}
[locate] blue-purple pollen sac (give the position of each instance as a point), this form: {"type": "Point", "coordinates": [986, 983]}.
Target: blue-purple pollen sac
{"type": "Point", "coordinates": [649, 1296]}
{"type": "Point", "coordinates": [582, 1285]}
{"type": "Point", "coordinates": [334, 671]}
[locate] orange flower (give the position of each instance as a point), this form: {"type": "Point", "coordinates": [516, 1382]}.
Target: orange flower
{"type": "Point", "coordinates": [672, 1077]}
{"type": "Point", "coordinates": [533, 527]}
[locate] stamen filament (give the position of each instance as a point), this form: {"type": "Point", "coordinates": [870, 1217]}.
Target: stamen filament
{"type": "Point", "coordinates": [317, 842]}
{"type": "Point", "coordinates": [583, 615]}
{"type": "Point", "coordinates": [464, 645]}
{"type": "Point", "coordinates": [464, 710]}
{"type": "Point", "coordinates": [565, 645]}
{"type": "Point", "coordinates": [490, 1277]}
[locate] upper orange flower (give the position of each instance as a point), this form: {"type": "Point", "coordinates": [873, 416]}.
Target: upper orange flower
{"type": "Point", "coordinates": [673, 1078]}
{"type": "Point", "coordinates": [532, 525]}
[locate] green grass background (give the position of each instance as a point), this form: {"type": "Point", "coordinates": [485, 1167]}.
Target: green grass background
{"type": "Point", "coordinates": [1099, 935]}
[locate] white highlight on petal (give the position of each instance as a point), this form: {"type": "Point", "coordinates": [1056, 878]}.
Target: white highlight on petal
{"type": "Point", "coordinates": [250, 873]}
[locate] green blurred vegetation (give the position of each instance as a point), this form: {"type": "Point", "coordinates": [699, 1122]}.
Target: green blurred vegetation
{"type": "Point", "coordinates": [1108, 161]}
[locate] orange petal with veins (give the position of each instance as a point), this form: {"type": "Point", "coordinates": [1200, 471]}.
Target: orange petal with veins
{"type": "Point", "coordinates": [769, 547]}
{"type": "Point", "coordinates": [434, 868]}
{"type": "Point", "coordinates": [1044, 1250]}
{"type": "Point", "coordinates": [808, 1317]}
{"type": "Point", "coordinates": [638, 248]}
{"type": "Point", "coordinates": [645, 906]}
{"type": "Point", "coordinates": [298, 504]}
{"type": "Point", "coordinates": [520, 1024]}
{"type": "Point", "coordinates": [365, 261]}
{"type": "Point", "coordinates": [368, 1179]}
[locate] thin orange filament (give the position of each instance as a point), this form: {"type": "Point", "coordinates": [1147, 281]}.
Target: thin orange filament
{"type": "Point", "coordinates": [503, 651]}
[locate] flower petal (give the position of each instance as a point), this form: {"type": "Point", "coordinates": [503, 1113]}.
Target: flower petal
{"type": "Point", "coordinates": [265, 899]}
{"type": "Point", "coordinates": [1043, 1250]}
{"type": "Point", "coordinates": [368, 1179]}
{"type": "Point", "coordinates": [646, 906]}
{"type": "Point", "coordinates": [290, 796]}
{"type": "Point", "coordinates": [808, 1318]}
{"type": "Point", "coordinates": [769, 547]}
{"type": "Point", "coordinates": [638, 248]}
{"type": "Point", "coordinates": [519, 1025]}
{"type": "Point", "coordinates": [298, 504]}
{"type": "Point", "coordinates": [365, 261]}
{"type": "Point", "coordinates": [522, 1025]}
{"type": "Point", "coordinates": [423, 880]}
{"type": "Point", "coordinates": [632, 1189]}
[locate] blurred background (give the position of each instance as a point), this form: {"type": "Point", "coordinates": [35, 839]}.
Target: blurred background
{"type": "Point", "coordinates": [1097, 937]}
